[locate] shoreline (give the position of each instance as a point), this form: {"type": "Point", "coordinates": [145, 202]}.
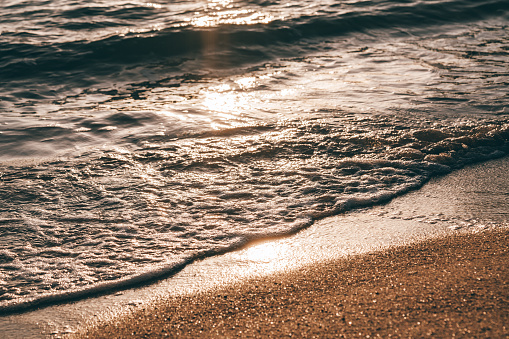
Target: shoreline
{"type": "Point", "coordinates": [468, 200]}
{"type": "Point", "coordinates": [455, 286]}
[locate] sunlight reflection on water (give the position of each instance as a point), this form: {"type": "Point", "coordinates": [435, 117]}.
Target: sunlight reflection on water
{"type": "Point", "coordinates": [265, 257]}
{"type": "Point", "coordinates": [220, 12]}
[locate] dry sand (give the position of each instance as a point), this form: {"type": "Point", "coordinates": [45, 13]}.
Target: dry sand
{"type": "Point", "coordinates": [457, 286]}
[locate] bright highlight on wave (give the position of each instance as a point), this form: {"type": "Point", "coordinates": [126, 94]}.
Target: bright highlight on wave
{"type": "Point", "coordinates": [219, 4]}
{"type": "Point", "coordinates": [154, 5]}
{"type": "Point", "coordinates": [221, 12]}
{"type": "Point", "coordinates": [232, 17]}
{"type": "Point", "coordinates": [227, 104]}
{"type": "Point", "coordinates": [229, 100]}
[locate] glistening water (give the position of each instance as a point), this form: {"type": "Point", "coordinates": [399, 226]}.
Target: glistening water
{"type": "Point", "coordinates": [137, 137]}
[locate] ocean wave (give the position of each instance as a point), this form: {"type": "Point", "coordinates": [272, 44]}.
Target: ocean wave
{"type": "Point", "coordinates": [241, 43]}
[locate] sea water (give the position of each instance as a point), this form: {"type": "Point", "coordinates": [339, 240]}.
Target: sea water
{"type": "Point", "coordinates": [137, 137]}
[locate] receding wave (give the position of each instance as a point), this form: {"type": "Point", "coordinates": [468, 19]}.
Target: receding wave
{"type": "Point", "coordinates": [115, 218]}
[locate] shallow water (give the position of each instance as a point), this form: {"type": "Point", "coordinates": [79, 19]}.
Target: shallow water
{"type": "Point", "coordinates": [444, 206]}
{"type": "Point", "coordinates": [137, 137]}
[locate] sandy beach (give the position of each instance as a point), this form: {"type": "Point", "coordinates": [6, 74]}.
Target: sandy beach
{"type": "Point", "coordinates": [456, 286]}
{"type": "Point", "coordinates": [229, 168]}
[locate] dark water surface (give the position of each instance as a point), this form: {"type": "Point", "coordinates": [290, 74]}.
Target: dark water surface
{"type": "Point", "coordinates": [136, 137]}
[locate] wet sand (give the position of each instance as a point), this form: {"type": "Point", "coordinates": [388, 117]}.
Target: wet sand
{"type": "Point", "coordinates": [455, 286]}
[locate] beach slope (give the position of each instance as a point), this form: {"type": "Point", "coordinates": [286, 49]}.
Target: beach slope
{"type": "Point", "coordinates": [455, 286]}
